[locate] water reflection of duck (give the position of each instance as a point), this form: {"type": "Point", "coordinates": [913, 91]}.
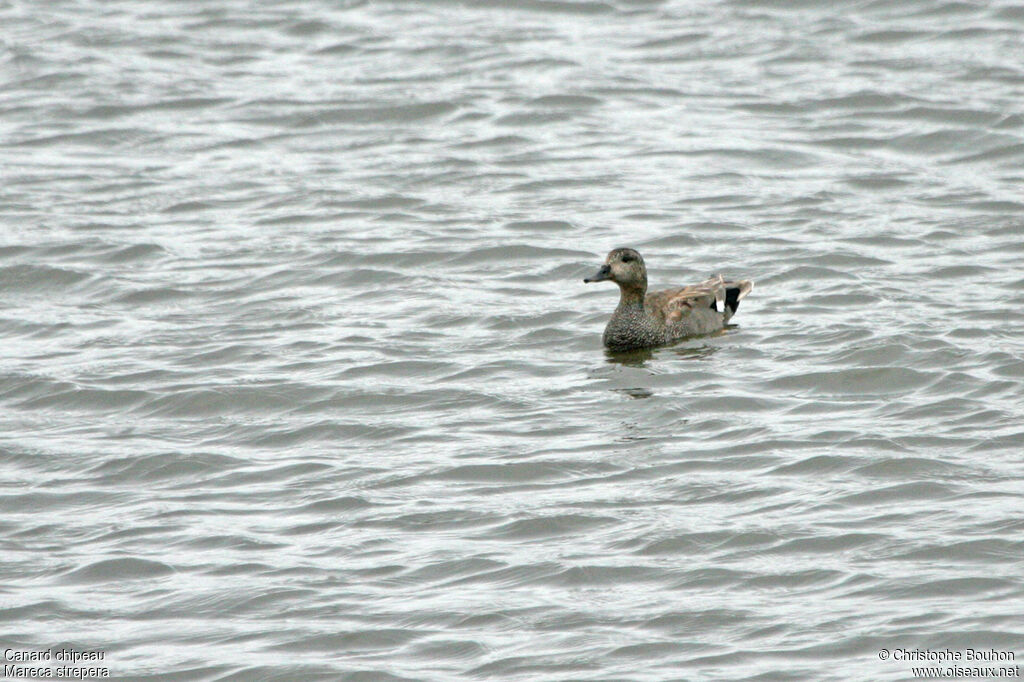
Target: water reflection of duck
{"type": "Point", "coordinates": [642, 320]}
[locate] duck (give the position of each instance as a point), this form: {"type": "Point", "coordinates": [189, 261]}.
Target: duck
{"type": "Point", "coordinates": [644, 320]}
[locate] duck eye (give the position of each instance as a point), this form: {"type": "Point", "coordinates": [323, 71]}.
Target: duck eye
{"type": "Point", "coordinates": [628, 259]}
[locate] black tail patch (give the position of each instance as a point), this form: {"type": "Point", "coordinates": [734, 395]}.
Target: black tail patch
{"type": "Point", "coordinates": [732, 299]}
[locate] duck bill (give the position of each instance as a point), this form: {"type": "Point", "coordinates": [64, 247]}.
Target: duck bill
{"type": "Point", "coordinates": [604, 273]}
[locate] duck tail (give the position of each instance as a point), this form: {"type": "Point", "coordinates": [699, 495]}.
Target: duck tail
{"type": "Point", "coordinates": [734, 293]}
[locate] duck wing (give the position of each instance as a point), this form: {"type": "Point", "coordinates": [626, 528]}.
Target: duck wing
{"type": "Point", "coordinates": [671, 304]}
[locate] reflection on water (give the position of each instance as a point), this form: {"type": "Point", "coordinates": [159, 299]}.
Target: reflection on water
{"type": "Point", "coordinates": [632, 358]}
{"type": "Point", "coordinates": [639, 358]}
{"type": "Point", "coordinates": [637, 393]}
{"type": "Point", "coordinates": [702, 352]}
{"type": "Point", "coordinates": [658, 365]}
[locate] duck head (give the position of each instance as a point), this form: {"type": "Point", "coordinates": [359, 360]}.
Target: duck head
{"type": "Point", "coordinates": [625, 267]}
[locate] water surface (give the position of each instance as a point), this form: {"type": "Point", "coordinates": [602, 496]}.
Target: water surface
{"type": "Point", "coordinates": [299, 380]}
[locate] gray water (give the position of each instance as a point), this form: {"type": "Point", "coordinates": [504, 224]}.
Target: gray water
{"type": "Point", "coordinates": [299, 379]}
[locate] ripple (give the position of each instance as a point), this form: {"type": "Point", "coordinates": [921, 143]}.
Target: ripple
{"type": "Point", "coordinates": [868, 381]}
{"type": "Point", "coordinates": [111, 570]}
{"type": "Point", "coordinates": [33, 279]}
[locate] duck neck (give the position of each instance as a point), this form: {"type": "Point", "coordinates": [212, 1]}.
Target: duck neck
{"type": "Point", "coordinates": [632, 296]}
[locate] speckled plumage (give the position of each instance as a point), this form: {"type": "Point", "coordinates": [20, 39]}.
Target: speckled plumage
{"type": "Point", "coordinates": [642, 320]}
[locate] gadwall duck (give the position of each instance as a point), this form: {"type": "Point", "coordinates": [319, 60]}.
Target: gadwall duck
{"type": "Point", "coordinates": [641, 321]}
